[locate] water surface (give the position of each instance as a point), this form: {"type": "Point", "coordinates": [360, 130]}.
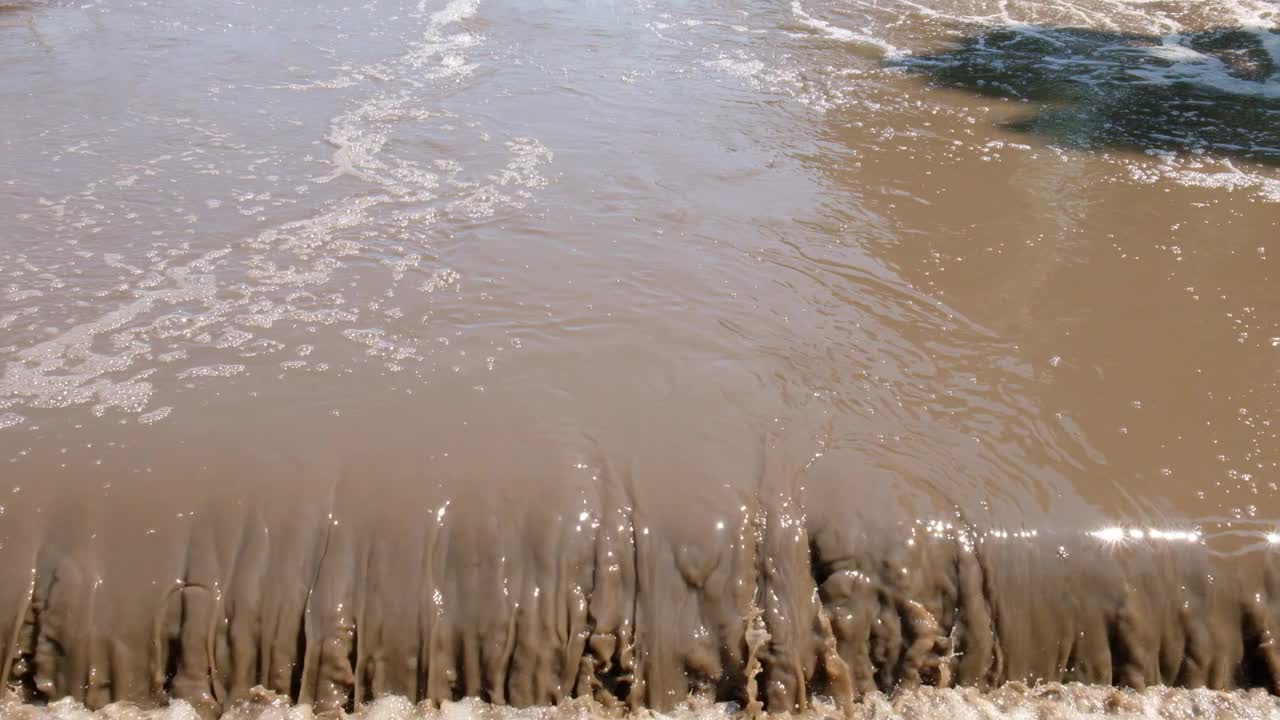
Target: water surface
{"type": "Point", "coordinates": [527, 350]}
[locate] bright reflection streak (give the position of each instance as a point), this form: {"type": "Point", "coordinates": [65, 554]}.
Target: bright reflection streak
{"type": "Point", "coordinates": [1118, 534]}
{"type": "Point", "coordinates": [1111, 534]}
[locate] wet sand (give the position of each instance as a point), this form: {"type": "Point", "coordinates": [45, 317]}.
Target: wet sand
{"type": "Point", "coordinates": [796, 357]}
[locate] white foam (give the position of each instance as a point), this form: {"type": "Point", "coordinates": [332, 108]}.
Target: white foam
{"type": "Point", "coordinates": [1013, 702]}
{"type": "Point", "coordinates": [1224, 176]}
{"type": "Point", "coordinates": [155, 416]}
{"type": "Point", "coordinates": [455, 11]}
{"type": "Point", "coordinates": [221, 371]}
{"type": "Point", "coordinates": [843, 34]}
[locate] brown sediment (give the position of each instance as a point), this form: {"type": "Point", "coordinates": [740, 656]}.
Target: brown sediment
{"type": "Point", "coordinates": [523, 584]}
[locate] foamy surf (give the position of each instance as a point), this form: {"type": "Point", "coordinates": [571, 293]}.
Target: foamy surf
{"type": "Point", "coordinates": [1017, 702]}
{"type": "Point", "coordinates": [844, 34]}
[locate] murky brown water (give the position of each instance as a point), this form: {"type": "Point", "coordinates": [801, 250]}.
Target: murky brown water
{"type": "Point", "coordinates": [756, 352]}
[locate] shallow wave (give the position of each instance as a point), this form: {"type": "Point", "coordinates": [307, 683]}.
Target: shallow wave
{"type": "Point", "coordinates": [636, 588]}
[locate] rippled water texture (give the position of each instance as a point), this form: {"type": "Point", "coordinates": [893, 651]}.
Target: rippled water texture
{"type": "Point", "coordinates": [690, 358]}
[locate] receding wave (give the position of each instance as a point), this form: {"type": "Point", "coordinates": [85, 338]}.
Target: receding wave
{"type": "Point", "coordinates": [619, 587]}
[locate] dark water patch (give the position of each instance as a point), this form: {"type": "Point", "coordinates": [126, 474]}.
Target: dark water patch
{"type": "Point", "coordinates": [1215, 92]}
